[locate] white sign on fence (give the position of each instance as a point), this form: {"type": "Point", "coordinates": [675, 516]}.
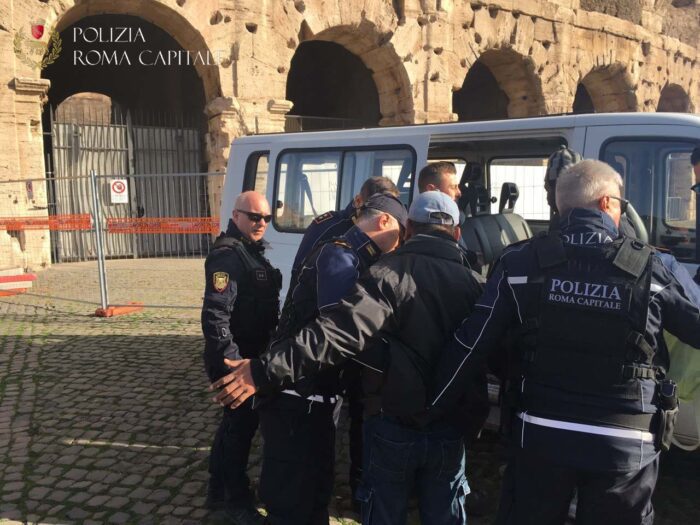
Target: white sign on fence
{"type": "Point", "coordinates": [119, 191]}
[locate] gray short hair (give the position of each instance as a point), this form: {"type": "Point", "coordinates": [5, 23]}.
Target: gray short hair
{"type": "Point", "coordinates": [585, 183]}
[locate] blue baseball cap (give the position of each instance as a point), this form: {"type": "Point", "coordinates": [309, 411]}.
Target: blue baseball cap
{"type": "Point", "coordinates": [434, 207]}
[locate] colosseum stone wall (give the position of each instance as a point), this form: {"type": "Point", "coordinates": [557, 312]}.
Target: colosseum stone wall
{"type": "Point", "coordinates": [407, 61]}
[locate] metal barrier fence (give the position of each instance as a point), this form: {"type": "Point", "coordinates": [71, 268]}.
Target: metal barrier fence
{"type": "Point", "coordinates": [113, 239]}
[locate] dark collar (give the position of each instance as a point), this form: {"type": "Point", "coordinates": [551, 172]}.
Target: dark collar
{"type": "Point", "coordinates": [581, 221]}
{"type": "Point", "coordinates": [349, 211]}
{"type": "Point", "coordinates": [438, 245]}
{"type": "Point", "coordinates": [255, 246]}
{"type": "Point", "coordinates": [362, 245]}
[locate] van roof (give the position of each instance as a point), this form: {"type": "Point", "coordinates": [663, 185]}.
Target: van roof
{"type": "Point", "coordinates": [489, 126]}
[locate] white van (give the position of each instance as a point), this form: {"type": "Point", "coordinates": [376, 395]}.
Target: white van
{"type": "Point", "coordinates": [502, 167]}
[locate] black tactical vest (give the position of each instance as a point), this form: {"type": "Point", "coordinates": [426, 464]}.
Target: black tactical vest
{"type": "Point", "coordinates": [586, 333]}
{"type": "Point", "coordinates": [255, 312]}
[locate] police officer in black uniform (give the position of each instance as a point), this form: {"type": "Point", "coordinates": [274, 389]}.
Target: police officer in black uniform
{"type": "Point", "coordinates": [592, 405]}
{"type": "Point", "coordinates": [330, 225]}
{"type": "Point", "coordinates": [297, 424]}
{"type": "Point", "coordinates": [240, 310]}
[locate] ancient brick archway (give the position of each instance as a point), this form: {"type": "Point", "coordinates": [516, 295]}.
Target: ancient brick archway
{"type": "Point", "coordinates": [674, 98]}
{"type": "Point", "coordinates": [609, 88]}
{"type": "Point", "coordinates": [330, 87]}
{"type": "Point", "coordinates": [387, 71]}
{"type": "Point", "coordinates": [502, 83]}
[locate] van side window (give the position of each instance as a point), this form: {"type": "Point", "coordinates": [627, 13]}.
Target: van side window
{"type": "Point", "coordinates": [256, 167]}
{"type": "Point", "coordinates": [658, 176]}
{"type": "Point", "coordinates": [307, 185]}
{"type": "Point", "coordinates": [528, 174]}
{"type": "Point", "coordinates": [359, 165]}
{"type": "Point", "coordinates": [313, 182]}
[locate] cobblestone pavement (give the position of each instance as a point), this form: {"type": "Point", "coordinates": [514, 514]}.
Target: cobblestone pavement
{"type": "Point", "coordinates": [109, 420]}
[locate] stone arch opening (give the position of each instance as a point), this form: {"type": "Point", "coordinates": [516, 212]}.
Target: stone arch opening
{"type": "Point", "coordinates": [674, 99]}
{"type": "Point", "coordinates": [500, 84]}
{"type": "Point", "coordinates": [331, 87]}
{"type": "Point", "coordinates": [609, 88]}
{"type": "Point", "coordinates": [134, 62]}
{"type": "Point", "coordinates": [583, 103]}
{"type": "Point", "coordinates": [128, 98]}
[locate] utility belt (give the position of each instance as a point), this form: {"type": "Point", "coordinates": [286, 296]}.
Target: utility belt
{"type": "Point", "coordinates": [661, 424]}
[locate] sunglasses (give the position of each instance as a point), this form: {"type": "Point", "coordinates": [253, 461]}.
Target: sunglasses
{"type": "Point", "coordinates": [256, 217]}
{"type": "Point", "coordinates": [623, 203]}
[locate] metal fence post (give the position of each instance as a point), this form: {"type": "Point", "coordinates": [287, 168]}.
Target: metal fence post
{"type": "Point", "coordinates": [99, 241]}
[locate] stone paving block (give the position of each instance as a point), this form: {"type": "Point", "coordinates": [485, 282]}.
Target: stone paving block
{"type": "Point", "coordinates": [58, 495]}
{"type": "Point", "coordinates": [76, 513]}
{"type": "Point", "coordinates": [97, 488]}
{"type": "Point", "coordinates": [119, 491]}
{"type": "Point", "coordinates": [192, 487]}
{"type": "Point", "coordinates": [132, 479]}
{"type": "Point", "coordinates": [97, 475]}
{"type": "Point", "coordinates": [142, 508]}
{"type": "Point", "coordinates": [140, 493]}
{"type": "Point", "coordinates": [97, 501]}
{"type": "Point", "coordinates": [80, 497]}
{"type": "Point", "coordinates": [118, 502]}
{"type": "Point", "coordinates": [67, 460]}
{"type": "Point", "coordinates": [112, 478]}
{"type": "Point", "coordinates": [39, 492]}
{"type": "Point", "coordinates": [13, 486]}
{"type": "Point", "coordinates": [165, 509]}
{"type": "Point", "coordinates": [159, 495]}
{"type": "Point", "coordinates": [119, 518]}
{"type": "Point", "coordinates": [76, 474]}
{"type": "Point", "coordinates": [182, 511]}
{"type": "Point", "coordinates": [104, 463]}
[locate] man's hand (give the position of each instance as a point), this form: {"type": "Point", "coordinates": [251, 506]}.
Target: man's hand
{"type": "Point", "coordinates": [237, 386]}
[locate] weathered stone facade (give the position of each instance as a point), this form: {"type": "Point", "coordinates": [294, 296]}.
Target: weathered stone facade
{"type": "Point", "coordinates": [418, 51]}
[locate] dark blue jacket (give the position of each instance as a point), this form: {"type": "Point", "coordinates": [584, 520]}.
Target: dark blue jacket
{"type": "Point", "coordinates": [507, 294]}
{"type": "Point", "coordinates": [326, 226]}
{"type": "Point", "coordinates": [325, 277]}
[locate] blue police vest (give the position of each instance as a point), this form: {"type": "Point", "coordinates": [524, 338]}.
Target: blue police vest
{"type": "Point", "coordinates": [585, 334]}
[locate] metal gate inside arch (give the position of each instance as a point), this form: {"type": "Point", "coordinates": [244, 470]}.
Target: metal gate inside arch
{"type": "Point", "coordinates": [151, 190]}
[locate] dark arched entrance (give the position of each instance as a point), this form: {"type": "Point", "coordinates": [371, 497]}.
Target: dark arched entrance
{"type": "Point", "coordinates": [481, 98]}
{"type": "Point", "coordinates": [126, 102]}
{"type": "Point", "coordinates": [583, 103]}
{"type": "Point", "coordinates": [143, 68]}
{"type": "Point", "coordinates": [674, 99]}
{"type": "Point", "coordinates": [330, 87]}
{"type": "Point", "coordinates": [605, 89]}
{"type": "Point", "coordinates": [501, 84]}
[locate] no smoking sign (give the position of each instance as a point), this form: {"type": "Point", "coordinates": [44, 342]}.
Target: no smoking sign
{"type": "Point", "coordinates": [118, 190]}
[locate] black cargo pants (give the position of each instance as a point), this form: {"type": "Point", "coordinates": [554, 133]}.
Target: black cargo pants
{"type": "Point", "coordinates": [535, 492]}
{"type": "Point", "coordinates": [297, 475]}
{"type": "Point", "coordinates": [228, 460]}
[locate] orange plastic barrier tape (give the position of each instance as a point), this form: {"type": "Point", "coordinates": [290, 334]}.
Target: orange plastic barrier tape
{"type": "Point", "coordinates": [53, 222]}
{"type": "Point", "coordinates": [163, 225]}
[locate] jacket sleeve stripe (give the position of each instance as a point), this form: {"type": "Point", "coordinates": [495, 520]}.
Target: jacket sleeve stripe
{"type": "Point", "coordinates": [470, 348]}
